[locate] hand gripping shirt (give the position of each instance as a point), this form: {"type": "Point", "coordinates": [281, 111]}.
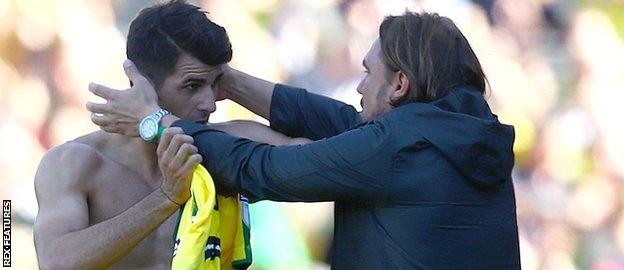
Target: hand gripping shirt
{"type": "Point", "coordinates": [422, 186]}
{"type": "Point", "coordinates": [212, 230]}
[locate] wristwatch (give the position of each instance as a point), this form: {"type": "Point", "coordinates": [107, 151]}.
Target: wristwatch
{"type": "Point", "coordinates": [149, 126]}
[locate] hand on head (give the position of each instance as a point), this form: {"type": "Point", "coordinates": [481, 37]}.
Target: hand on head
{"type": "Point", "coordinates": [221, 89]}
{"type": "Point", "coordinates": [124, 110]}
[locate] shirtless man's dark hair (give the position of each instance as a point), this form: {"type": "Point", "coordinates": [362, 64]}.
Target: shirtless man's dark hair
{"type": "Point", "coordinates": [160, 34]}
{"type": "Point", "coordinates": [109, 201]}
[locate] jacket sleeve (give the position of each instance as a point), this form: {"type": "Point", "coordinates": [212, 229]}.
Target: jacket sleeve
{"type": "Point", "coordinates": [354, 165]}
{"type": "Point", "coordinates": [298, 113]}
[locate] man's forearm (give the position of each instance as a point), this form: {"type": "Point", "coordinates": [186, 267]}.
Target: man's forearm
{"type": "Point", "coordinates": [103, 244]}
{"type": "Point", "coordinates": [257, 132]}
{"type": "Point", "coordinates": [250, 92]}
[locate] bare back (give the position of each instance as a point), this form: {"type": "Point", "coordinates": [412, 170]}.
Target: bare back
{"type": "Point", "coordinates": [106, 179]}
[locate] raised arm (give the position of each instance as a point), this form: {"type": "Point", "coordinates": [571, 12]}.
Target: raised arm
{"type": "Point", "coordinates": [257, 132]}
{"type": "Point", "coordinates": [291, 111]}
{"type": "Point", "coordinates": [250, 92]}
{"type": "Point", "coordinates": [63, 237]}
{"type": "Point", "coordinates": [299, 113]}
{"type": "Point", "coordinates": [352, 166]}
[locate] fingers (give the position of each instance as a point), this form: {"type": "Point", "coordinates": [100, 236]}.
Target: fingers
{"type": "Point", "coordinates": [219, 94]}
{"type": "Point", "coordinates": [176, 142]}
{"type": "Point", "coordinates": [103, 91]}
{"type": "Point", "coordinates": [190, 164]}
{"type": "Point", "coordinates": [100, 120]}
{"type": "Point", "coordinates": [133, 73]}
{"type": "Point", "coordinates": [165, 139]}
{"type": "Point", "coordinates": [172, 142]}
{"type": "Point", "coordinates": [220, 89]}
{"type": "Point", "coordinates": [97, 107]}
{"type": "Point", "coordinates": [174, 152]}
{"type": "Point", "coordinates": [182, 155]}
{"type": "Point", "coordinates": [144, 91]}
{"type": "Point", "coordinates": [125, 109]}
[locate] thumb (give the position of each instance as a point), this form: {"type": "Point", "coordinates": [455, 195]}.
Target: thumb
{"type": "Point", "coordinates": [133, 73]}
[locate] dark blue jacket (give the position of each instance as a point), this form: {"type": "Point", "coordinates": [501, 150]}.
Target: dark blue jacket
{"type": "Point", "coordinates": [424, 186]}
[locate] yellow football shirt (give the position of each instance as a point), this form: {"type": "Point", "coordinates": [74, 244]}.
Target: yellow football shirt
{"type": "Point", "coordinates": [212, 230]}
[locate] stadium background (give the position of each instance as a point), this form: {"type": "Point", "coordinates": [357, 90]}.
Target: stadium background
{"type": "Point", "coordinates": [556, 70]}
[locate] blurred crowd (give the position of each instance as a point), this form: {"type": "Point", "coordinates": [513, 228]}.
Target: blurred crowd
{"type": "Point", "coordinates": [555, 70]}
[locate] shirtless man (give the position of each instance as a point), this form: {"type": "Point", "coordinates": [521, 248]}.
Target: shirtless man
{"type": "Point", "coordinates": [104, 201]}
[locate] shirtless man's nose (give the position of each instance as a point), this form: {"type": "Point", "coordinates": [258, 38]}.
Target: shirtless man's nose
{"type": "Point", "coordinates": [110, 201]}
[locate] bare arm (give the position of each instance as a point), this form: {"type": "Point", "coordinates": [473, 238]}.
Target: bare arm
{"type": "Point", "coordinates": [250, 92]}
{"type": "Point", "coordinates": [125, 109]}
{"type": "Point", "coordinates": [63, 237]}
{"type": "Point", "coordinates": [257, 132]}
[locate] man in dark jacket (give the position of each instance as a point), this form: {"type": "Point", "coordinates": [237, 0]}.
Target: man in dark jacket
{"type": "Point", "coordinates": [421, 177]}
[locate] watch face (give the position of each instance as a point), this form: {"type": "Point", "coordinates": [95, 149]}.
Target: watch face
{"type": "Point", "coordinates": [148, 128]}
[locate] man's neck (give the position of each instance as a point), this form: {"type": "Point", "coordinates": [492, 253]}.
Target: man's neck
{"type": "Point", "coordinates": [139, 156]}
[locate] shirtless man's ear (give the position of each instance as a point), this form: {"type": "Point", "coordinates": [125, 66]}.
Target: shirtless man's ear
{"type": "Point", "coordinates": [104, 201]}
{"type": "Point", "coordinates": [109, 201]}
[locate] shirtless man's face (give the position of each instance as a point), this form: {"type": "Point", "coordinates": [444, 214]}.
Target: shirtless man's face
{"type": "Point", "coordinates": [189, 91]}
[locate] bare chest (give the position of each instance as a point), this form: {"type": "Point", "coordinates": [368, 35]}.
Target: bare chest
{"type": "Point", "coordinates": [113, 190]}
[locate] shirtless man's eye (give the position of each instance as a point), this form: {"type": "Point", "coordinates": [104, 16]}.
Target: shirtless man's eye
{"type": "Point", "coordinates": [110, 201]}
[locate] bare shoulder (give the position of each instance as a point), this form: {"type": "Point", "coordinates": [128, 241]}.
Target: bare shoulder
{"type": "Point", "coordinates": [69, 164]}
{"type": "Point", "coordinates": [61, 187]}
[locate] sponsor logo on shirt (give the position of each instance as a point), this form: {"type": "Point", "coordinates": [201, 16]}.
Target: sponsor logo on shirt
{"type": "Point", "coordinates": [213, 248]}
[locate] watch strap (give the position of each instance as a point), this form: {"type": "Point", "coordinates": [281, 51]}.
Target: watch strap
{"type": "Point", "coordinates": [160, 114]}
{"type": "Point", "coordinates": [161, 130]}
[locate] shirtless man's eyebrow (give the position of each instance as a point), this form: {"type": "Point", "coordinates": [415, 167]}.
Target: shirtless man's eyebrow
{"type": "Point", "coordinates": [100, 196]}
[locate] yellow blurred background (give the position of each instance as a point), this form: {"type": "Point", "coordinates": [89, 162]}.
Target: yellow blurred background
{"type": "Point", "coordinates": [555, 67]}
